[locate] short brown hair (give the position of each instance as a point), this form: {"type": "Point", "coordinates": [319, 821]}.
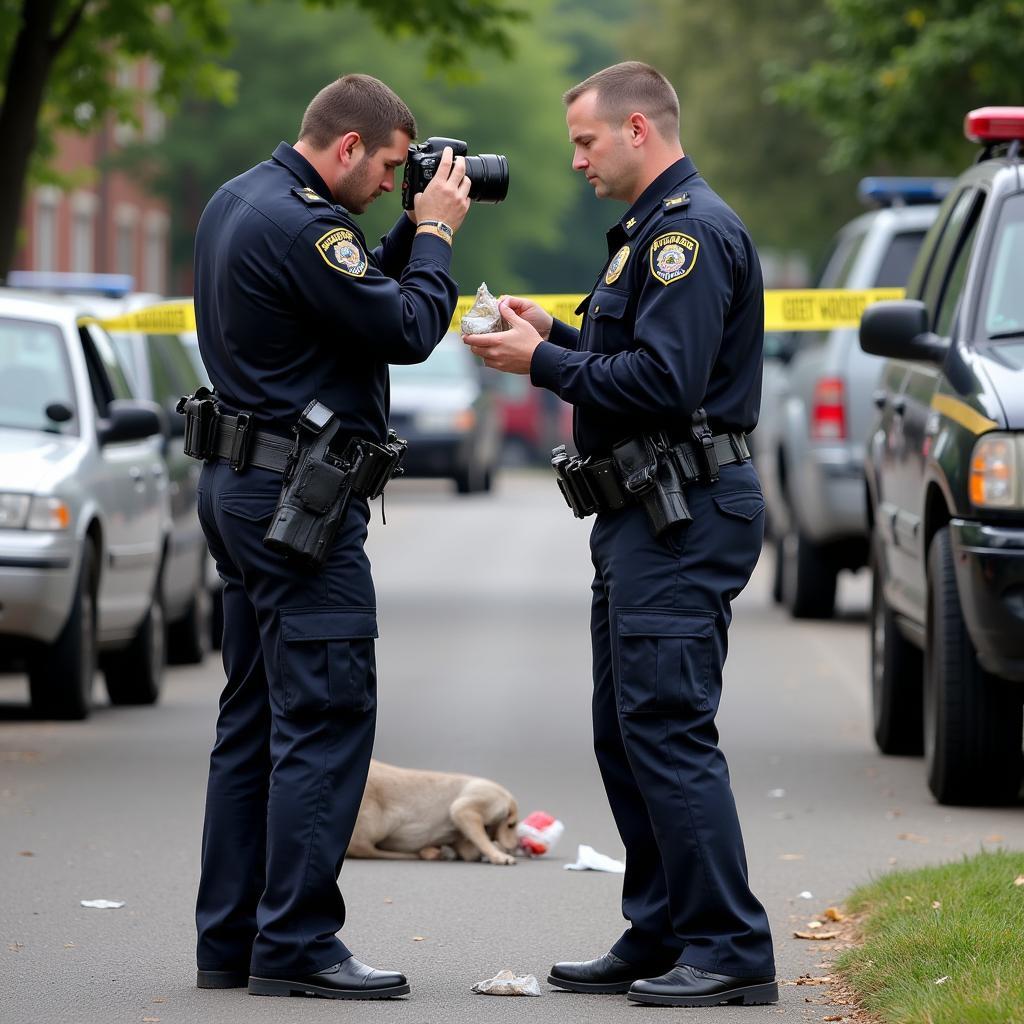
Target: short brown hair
{"type": "Point", "coordinates": [356, 103]}
{"type": "Point", "coordinates": [628, 87]}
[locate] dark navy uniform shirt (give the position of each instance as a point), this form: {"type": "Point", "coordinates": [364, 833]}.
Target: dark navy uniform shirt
{"type": "Point", "coordinates": [675, 322]}
{"type": "Point", "coordinates": [291, 305]}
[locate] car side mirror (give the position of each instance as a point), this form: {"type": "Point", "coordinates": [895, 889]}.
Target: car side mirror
{"type": "Point", "coordinates": [899, 330]}
{"type": "Point", "coordinates": [130, 420]}
{"type": "Point", "coordinates": [175, 422]}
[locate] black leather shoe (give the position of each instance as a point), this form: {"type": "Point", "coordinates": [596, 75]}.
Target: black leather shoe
{"type": "Point", "coordinates": [348, 980]}
{"type": "Point", "coordinates": [691, 986]}
{"type": "Point", "coordinates": [607, 973]}
{"type": "Point", "coordinates": [222, 979]}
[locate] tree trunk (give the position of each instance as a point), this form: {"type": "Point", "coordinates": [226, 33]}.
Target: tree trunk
{"type": "Point", "coordinates": [27, 74]}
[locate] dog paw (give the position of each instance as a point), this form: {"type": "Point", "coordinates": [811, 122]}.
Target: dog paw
{"type": "Point", "coordinates": [430, 853]}
{"type": "Point", "coordinates": [501, 858]}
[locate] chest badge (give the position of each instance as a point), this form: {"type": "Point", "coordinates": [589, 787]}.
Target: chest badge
{"type": "Point", "coordinates": [673, 256]}
{"type": "Point", "coordinates": [618, 261]}
{"type": "Point", "coordinates": [342, 251]}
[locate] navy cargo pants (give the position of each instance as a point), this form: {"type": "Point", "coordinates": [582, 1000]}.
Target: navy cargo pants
{"type": "Point", "coordinates": [661, 611]}
{"type": "Point", "coordinates": [294, 735]}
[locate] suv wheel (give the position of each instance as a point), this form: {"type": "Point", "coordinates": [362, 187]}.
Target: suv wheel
{"type": "Point", "coordinates": [187, 639]}
{"type": "Point", "coordinates": [134, 674]}
{"type": "Point", "coordinates": [972, 720]}
{"type": "Point", "coordinates": [60, 677]}
{"type": "Point", "coordinates": [896, 673]}
{"type": "Point", "coordinates": [808, 578]}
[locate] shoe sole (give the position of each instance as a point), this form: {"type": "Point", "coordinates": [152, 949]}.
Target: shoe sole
{"type": "Point", "coordinates": [282, 987]}
{"type": "Point", "coordinates": [753, 995]}
{"type": "Point", "coordinates": [593, 987]}
{"type": "Point", "coordinates": [222, 979]}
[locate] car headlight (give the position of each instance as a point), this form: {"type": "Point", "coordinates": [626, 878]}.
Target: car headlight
{"type": "Point", "coordinates": [459, 420]}
{"type": "Point", "coordinates": [994, 478]}
{"type": "Point", "coordinates": [22, 511]}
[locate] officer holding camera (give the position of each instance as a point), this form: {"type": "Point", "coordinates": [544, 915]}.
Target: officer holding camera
{"type": "Point", "coordinates": [665, 380]}
{"type": "Point", "coordinates": [298, 319]}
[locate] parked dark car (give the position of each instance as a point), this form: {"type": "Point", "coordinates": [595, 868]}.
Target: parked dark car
{"type": "Point", "coordinates": [445, 410]}
{"type": "Point", "coordinates": [945, 483]}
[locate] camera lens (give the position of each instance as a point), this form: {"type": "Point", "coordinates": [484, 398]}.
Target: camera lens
{"type": "Point", "coordinates": [488, 173]}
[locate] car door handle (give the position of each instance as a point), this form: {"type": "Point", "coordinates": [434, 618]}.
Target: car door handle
{"type": "Point", "coordinates": [880, 399]}
{"type": "Point", "coordinates": [899, 405]}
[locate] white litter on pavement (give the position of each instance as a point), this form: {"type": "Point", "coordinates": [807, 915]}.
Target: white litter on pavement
{"type": "Point", "coordinates": [507, 983]}
{"type": "Point", "coordinates": [103, 904]}
{"type": "Point", "coordinates": [588, 859]}
{"type": "Point", "coordinates": [805, 895]}
{"type": "Point", "coordinates": [776, 794]}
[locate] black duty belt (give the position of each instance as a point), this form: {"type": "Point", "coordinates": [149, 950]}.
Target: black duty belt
{"type": "Point", "coordinates": [242, 445]}
{"type": "Point", "coordinates": [597, 484]}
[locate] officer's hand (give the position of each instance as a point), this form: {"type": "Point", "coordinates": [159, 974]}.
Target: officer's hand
{"type": "Point", "coordinates": [539, 319]}
{"type": "Point", "coordinates": [510, 351]}
{"type": "Point", "coordinates": [446, 197]}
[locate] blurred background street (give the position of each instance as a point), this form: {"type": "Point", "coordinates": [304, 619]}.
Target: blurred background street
{"type": "Point", "coordinates": [484, 668]}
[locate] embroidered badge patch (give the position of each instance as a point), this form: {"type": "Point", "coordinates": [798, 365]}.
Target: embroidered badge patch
{"type": "Point", "coordinates": [341, 251]}
{"type": "Point", "coordinates": [618, 261]}
{"type": "Point", "coordinates": [673, 256]}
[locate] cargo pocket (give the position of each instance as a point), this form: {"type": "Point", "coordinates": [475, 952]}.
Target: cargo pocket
{"type": "Point", "coordinates": [664, 660]}
{"type": "Point", "coordinates": [745, 505]}
{"type": "Point", "coordinates": [327, 660]}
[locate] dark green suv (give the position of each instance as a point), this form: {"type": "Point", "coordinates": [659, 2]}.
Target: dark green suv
{"type": "Point", "coordinates": [945, 485]}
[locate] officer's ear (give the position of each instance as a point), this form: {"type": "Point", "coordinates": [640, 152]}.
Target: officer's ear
{"type": "Point", "coordinates": [349, 149]}
{"type": "Point", "coordinates": [637, 128]}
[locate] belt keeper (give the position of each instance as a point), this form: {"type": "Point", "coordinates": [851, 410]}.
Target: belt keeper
{"type": "Point", "coordinates": [240, 442]}
{"type": "Point", "coordinates": [707, 442]}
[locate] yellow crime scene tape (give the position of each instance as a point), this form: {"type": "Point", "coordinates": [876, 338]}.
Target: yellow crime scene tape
{"type": "Point", "coordinates": [792, 309]}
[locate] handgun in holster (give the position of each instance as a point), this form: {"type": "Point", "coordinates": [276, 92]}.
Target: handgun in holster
{"type": "Point", "coordinates": [572, 482]}
{"type": "Point", "coordinates": [201, 416]}
{"type": "Point", "coordinates": [650, 474]}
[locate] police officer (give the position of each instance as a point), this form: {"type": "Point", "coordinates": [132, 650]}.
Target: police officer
{"type": "Point", "coordinates": [673, 325]}
{"type": "Point", "coordinates": [292, 305]}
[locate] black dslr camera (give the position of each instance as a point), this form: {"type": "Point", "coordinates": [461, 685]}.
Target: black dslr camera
{"type": "Point", "coordinates": [487, 172]}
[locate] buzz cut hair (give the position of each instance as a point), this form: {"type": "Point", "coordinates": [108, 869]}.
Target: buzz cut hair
{"type": "Point", "coordinates": [356, 103]}
{"type": "Point", "coordinates": [632, 87]}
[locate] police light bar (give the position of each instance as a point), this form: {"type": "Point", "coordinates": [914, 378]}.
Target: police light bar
{"type": "Point", "coordinates": [902, 191]}
{"type": "Point", "coordinates": [995, 124]}
{"type": "Point", "coordinates": [113, 286]}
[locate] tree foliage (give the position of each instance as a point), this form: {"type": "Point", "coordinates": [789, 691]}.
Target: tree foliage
{"type": "Point", "coordinates": [894, 80]}
{"type": "Point", "coordinates": [60, 60]}
{"type": "Point", "coordinates": [765, 160]}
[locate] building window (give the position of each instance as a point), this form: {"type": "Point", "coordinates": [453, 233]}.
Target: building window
{"type": "Point", "coordinates": [45, 255]}
{"type": "Point", "coordinates": [83, 232]}
{"type": "Point", "coordinates": [154, 271]}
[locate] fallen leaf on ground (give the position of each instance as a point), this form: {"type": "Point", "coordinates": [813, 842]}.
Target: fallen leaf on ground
{"type": "Point", "coordinates": [791, 856]}
{"type": "Point", "coordinates": [160, 999]}
{"type": "Point", "coordinates": [417, 938]}
{"type": "Point", "coordinates": [25, 853]}
{"type": "Point", "coordinates": [994, 838]}
{"type": "Point", "coordinates": [69, 945]}
{"type": "Point", "coordinates": [942, 980]}
{"type": "Point", "coordinates": [936, 904]}
{"type": "Point", "coordinates": [806, 979]}
{"type": "Point", "coordinates": [15, 947]}
{"type": "Point", "coordinates": [1019, 880]}
{"type": "Point", "coordinates": [834, 1017]}
{"type": "Point", "coordinates": [818, 936]}
{"type": "Point", "coordinates": [833, 914]}
{"type": "Point", "coordinates": [913, 837]}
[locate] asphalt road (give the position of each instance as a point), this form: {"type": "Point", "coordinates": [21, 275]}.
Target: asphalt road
{"type": "Point", "coordinates": [484, 668]}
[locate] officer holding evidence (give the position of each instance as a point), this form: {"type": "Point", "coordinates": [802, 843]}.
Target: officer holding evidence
{"type": "Point", "coordinates": [665, 379]}
{"type": "Point", "coordinates": [293, 308]}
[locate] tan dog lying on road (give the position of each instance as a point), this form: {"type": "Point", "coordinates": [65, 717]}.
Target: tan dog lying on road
{"type": "Point", "coordinates": [408, 814]}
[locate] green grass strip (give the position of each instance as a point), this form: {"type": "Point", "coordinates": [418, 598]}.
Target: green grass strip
{"type": "Point", "coordinates": [963, 922]}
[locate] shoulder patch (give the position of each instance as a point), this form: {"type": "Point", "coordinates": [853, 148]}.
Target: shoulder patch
{"type": "Point", "coordinates": [341, 250]}
{"type": "Point", "coordinates": [673, 256]}
{"type": "Point", "coordinates": [676, 202]}
{"type": "Point", "coordinates": [618, 261]}
{"type": "Point", "coordinates": [308, 196]}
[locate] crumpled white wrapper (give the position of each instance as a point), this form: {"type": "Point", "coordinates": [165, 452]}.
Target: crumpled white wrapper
{"type": "Point", "coordinates": [588, 859]}
{"type": "Point", "coordinates": [507, 983]}
{"type": "Point", "coordinates": [483, 316]}
{"type": "Point", "coordinates": [102, 904]}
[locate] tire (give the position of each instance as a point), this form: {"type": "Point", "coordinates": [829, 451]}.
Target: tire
{"type": "Point", "coordinates": [468, 479]}
{"type": "Point", "coordinates": [897, 673]}
{"type": "Point", "coordinates": [134, 675]}
{"type": "Point", "coordinates": [808, 579]}
{"type": "Point", "coordinates": [778, 545]}
{"type": "Point", "coordinates": [60, 677]}
{"type": "Point", "coordinates": [972, 720]}
{"type": "Point", "coordinates": [187, 638]}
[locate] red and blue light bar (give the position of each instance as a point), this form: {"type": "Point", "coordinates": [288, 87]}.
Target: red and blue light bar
{"type": "Point", "coordinates": [892, 191]}
{"type": "Point", "coordinates": [995, 124]}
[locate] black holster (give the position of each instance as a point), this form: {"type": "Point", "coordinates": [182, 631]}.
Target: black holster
{"type": "Point", "coordinates": [319, 484]}
{"type": "Point", "coordinates": [650, 473]}
{"type": "Point", "coordinates": [201, 416]}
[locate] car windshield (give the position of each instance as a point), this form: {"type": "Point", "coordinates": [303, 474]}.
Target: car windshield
{"type": "Point", "coordinates": [1002, 300]}
{"type": "Point", "coordinates": [34, 374]}
{"type": "Point", "coordinates": [449, 363]}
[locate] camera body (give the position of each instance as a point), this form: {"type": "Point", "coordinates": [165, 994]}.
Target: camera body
{"type": "Point", "coordinates": [487, 172]}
